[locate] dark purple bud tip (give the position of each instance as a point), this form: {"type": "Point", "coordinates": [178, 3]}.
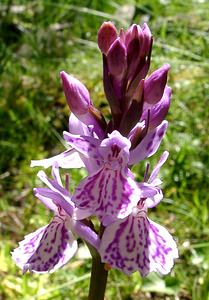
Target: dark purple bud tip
{"type": "Point", "coordinates": [147, 40]}
{"type": "Point", "coordinates": [155, 84]}
{"type": "Point", "coordinates": [107, 34]}
{"type": "Point", "coordinates": [134, 32]}
{"type": "Point", "coordinates": [116, 58]}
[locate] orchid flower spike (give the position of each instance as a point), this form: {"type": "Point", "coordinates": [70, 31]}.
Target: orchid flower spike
{"type": "Point", "coordinates": [127, 240]}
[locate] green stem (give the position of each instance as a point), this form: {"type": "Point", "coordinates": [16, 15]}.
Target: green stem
{"type": "Point", "coordinates": [98, 279]}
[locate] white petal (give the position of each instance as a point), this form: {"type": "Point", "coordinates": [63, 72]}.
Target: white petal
{"type": "Point", "coordinates": [138, 244]}
{"type": "Point", "coordinates": [67, 160]}
{"type": "Point", "coordinates": [46, 249]}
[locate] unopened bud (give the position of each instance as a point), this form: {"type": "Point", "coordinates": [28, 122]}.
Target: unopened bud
{"type": "Point", "coordinates": [122, 35]}
{"type": "Point", "coordinates": [134, 40]}
{"type": "Point", "coordinates": [157, 111]}
{"type": "Point", "coordinates": [76, 93]}
{"type": "Point", "coordinates": [107, 34]}
{"type": "Point", "coordinates": [134, 32]}
{"type": "Point", "coordinates": [132, 116]}
{"type": "Point", "coordinates": [116, 58]}
{"type": "Point", "coordinates": [155, 84]}
{"type": "Point", "coordinates": [147, 40]}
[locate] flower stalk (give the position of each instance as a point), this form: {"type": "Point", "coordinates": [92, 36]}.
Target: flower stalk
{"type": "Point", "coordinates": [98, 279]}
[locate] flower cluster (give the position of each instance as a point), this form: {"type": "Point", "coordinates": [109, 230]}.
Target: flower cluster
{"type": "Point", "coordinates": [129, 240]}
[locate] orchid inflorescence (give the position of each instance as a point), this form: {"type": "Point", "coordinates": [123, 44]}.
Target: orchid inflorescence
{"type": "Point", "coordinates": [127, 239]}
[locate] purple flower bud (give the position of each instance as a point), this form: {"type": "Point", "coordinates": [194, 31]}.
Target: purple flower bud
{"type": "Point", "coordinates": [106, 36]}
{"type": "Point", "coordinates": [76, 93]}
{"type": "Point", "coordinates": [134, 32]}
{"type": "Point", "coordinates": [133, 42]}
{"type": "Point", "coordinates": [122, 35]}
{"type": "Point", "coordinates": [133, 114]}
{"type": "Point", "coordinates": [80, 104]}
{"type": "Point", "coordinates": [159, 110]}
{"type": "Point", "coordinates": [116, 58]}
{"type": "Point", "coordinates": [147, 40]}
{"type": "Point", "coordinates": [155, 84]}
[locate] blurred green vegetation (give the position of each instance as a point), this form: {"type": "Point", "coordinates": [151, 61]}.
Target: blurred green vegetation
{"type": "Point", "coordinates": [40, 38]}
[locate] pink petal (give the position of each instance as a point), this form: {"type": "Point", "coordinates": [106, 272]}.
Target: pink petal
{"type": "Point", "coordinates": [46, 196]}
{"type": "Point", "coordinates": [83, 144]}
{"type": "Point", "coordinates": [138, 244]}
{"type": "Point", "coordinates": [149, 144]}
{"type": "Point", "coordinates": [86, 233]}
{"type": "Point", "coordinates": [53, 185]}
{"type": "Point", "coordinates": [153, 201]}
{"type": "Point", "coordinates": [163, 248]}
{"type": "Point", "coordinates": [156, 169]}
{"type": "Point", "coordinates": [151, 193]}
{"type": "Point", "coordinates": [147, 190]}
{"type": "Point", "coordinates": [55, 196]}
{"type": "Point", "coordinates": [77, 127]}
{"type": "Point", "coordinates": [157, 111]}
{"type": "Point", "coordinates": [46, 249]}
{"type": "Point", "coordinates": [115, 150]}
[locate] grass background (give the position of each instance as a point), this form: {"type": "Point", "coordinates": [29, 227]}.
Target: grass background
{"type": "Point", "coordinates": [40, 38]}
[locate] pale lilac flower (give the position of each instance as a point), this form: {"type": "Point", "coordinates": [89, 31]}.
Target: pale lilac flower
{"type": "Point", "coordinates": [52, 246]}
{"type": "Point", "coordinates": [136, 243]}
{"type": "Point", "coordinates": [110, 191]}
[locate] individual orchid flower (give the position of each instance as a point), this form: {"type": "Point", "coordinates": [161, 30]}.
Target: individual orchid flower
{"type": "Point", "coordinates": [136, 243]}
{"type": "Point", "coordinates": [110, 191]}
{"type": "Point", "coordinates": [52, 246]}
